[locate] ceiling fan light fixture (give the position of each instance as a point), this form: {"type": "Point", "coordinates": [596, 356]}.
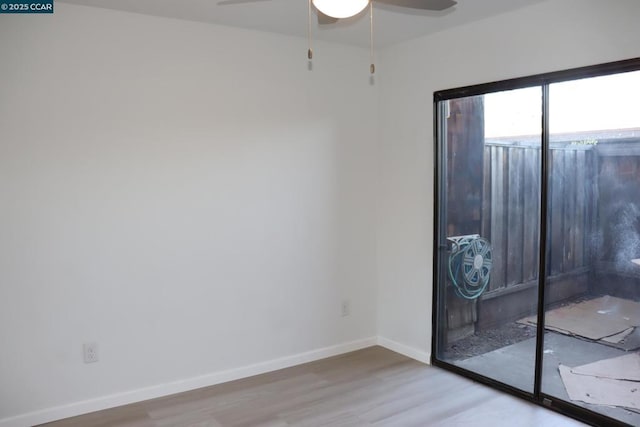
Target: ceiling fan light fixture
{"type": "Point", "coordinates": [340, 8]}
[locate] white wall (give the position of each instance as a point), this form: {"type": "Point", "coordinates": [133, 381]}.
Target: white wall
{"type": "Point", "coordinates": [554, 35]}
{"type": "Point", "coordinates": [191, 197]}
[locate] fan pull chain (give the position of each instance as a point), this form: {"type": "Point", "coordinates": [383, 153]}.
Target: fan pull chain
{"type": "Point", "coordinates": [372, 67]}
{"type": "Point", "coordinates": [310, 51]}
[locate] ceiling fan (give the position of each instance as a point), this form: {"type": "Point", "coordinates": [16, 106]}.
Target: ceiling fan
{"type": "Point", "coordinates": [331, 11]}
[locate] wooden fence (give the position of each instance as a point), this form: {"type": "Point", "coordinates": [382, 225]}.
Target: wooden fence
{"type": "Point", "coordinates": [593, 223]}
{"type": "Point", "coordinates": [510, 220]}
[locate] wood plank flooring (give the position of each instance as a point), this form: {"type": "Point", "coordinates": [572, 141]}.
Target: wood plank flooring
{"type": "Point", "coordinates": [370, 387]}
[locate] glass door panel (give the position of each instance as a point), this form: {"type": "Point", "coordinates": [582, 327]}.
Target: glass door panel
{"type": "Point", "coordinates": [489, 213]}
{"type": "Point", "coordinates": [592, 288]}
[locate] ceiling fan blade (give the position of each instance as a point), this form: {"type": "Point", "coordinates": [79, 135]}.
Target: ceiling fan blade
{"type": "Point", "coordinates": [325, 19]}
{"type": "Point", "coordinates": [228, 2]}
{"type": "Point", "coordinates": [436, 5]}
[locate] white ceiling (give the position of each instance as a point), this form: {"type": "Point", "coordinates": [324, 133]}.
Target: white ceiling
{"type": "Point", "coordinates": [392, 24]}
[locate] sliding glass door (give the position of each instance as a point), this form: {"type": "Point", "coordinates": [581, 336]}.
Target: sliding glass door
{"type": "Point", "coordinates": [488, 234]}
{"type": "Point", "coordinates": [537, 238]}
{"type": "Point", "coordinates": [592, 289]}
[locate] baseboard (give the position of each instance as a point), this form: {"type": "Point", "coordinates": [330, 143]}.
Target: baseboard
{"type": "Point", "coordinates": [139, 395]}
{"type": "Point", "coordinates": [405, 350]}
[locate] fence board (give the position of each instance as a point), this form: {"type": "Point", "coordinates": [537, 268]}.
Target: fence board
{"type": "Point", "coordinates": [555, 215]}
{"type": "Point", "coordinates": [485, 225]}
{"type": "Point", "coordinates": [514, 217]}
{"type": "Point", "coordinates": [530, 246]}
{"type": "Point", "coordinates": [579, 224]}
{"type": "Point", "coordinates": [498, 231]}
{"type": "Point", "coordinates": [569, 211]}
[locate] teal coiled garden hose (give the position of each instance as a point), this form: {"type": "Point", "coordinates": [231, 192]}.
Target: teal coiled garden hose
{"type": "Point", "coordinates": [470, 264]}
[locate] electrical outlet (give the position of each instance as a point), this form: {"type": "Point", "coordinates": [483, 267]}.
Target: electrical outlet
{"type": "Point", "coordinates": [346, 308]}
{"type": "Point", "coordinates": [91, 352]}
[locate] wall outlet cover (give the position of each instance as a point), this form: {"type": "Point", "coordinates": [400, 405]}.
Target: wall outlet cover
{"type": "Point", "coordinates": [91, 354]}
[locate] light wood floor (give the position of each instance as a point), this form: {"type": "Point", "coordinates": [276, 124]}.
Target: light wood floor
{"type": "Point", "coordinates": [370, 387]}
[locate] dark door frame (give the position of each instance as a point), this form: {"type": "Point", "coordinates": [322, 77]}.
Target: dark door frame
{"type": "Point", "coordinates": [542, 80]}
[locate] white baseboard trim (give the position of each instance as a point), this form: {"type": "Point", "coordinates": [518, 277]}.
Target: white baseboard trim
{"type": "Point", "coordinates": [139, 395]}
{"type": "Point", "coordinates": [405, 350]}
